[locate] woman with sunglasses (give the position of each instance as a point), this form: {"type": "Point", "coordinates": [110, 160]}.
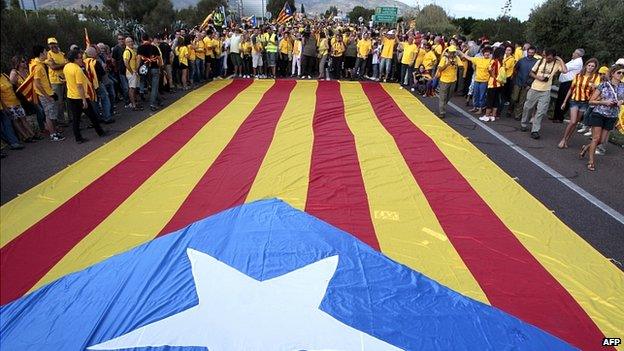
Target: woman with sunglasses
{"type": "Point", "coordinates": [607, 99]}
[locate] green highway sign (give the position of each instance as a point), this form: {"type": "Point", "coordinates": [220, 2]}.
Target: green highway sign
{"type": "Point", "coordinates": [384, 18]}
{"type": "Point", "coordinates": [385, 15]}
{"type": "Point", "coordinates": [387, 11]}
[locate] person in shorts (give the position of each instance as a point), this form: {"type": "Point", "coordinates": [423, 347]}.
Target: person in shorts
{"type": "Point", "coordinates": [256, 56]}
{"type": "Point", "coordinates": [583, 85]}
{"type": "Point", "coordinates": [607, 100]}
{"type": "Point", "coordinates": [131, 62]}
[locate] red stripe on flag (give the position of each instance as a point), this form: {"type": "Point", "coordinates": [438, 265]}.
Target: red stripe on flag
{"type": "Point", "coordinates": [510, 276]}
{"type": "Point", "coordinates": [336, 193]}
{"type": "Point", "coordinates": [228, 181]}
{"type": "Point", "coordinates": [27, 258]}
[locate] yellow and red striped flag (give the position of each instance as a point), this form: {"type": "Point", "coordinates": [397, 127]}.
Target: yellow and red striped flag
{"type": "Point", "coordinates": [27, 89]}
{"type": "Point", "coordinates": [87, 40]}
{"type": "Point", "coordinates": [286, 14]}
{"type": "Point", "coordinates": [367, 158]}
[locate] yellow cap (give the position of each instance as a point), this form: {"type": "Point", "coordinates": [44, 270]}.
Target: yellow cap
{"type": "Point", "coordinates": [52, 40]}
{"type": "Point", "coordinates": [603, 70]}
{"type": "Point", "coordinates": [452, 48]}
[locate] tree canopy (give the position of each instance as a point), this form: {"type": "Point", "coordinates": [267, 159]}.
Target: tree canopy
{"type": "Point", "coordinates": [360, 11]}
{"type": "Point", "coordinates": [433, 18]}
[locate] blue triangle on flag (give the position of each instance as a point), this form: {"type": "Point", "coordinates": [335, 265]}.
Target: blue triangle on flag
{"type": "Point", "coordinates": [263, 240]}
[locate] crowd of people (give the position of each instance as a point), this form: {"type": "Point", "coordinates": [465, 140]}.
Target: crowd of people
{"type": "Point", "coordinates": [496, 79]}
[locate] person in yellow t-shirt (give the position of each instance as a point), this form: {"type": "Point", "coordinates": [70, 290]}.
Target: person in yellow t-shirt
{"type": "Point", "coordinates": [13, 108]}
{"type": "Point", "coordinates": [364, 48]}
{"type": "Point", "coordinates": [45, 94]}
{"type": "Point", "coordinates": [337, 50]}
{"type": "Point", "coordinates": [420, 55]}
{"type": "Point", "coordinates": [284, 54]}
{"type": "Point", "coordinates": [509, 64]}
{"type": "Point", "coordinates": [200, 57]}
{"type": "Point", "coordinates": [131, 62]}
{"type": "Point", "coordinates": [296, 56]}
{"type": "Point", "coordinates": [323, 54]}
{"type": "Point", "coordinates": [410, 50]}
{"type": "Point", "coordinates": [56, 61]}
{"type": "Point", "coordinates": [447, 72]}
{"type": "Point", "coordinates": [388, 45]}
{"type": "Point", "coordinates": [183, 54]}
{"type": "Point", "coordinates": [78, 101]}
{"type": "Point", "coordinates": [192, 78]}
{"type": "Point", "coordinates": [481, 77]}
{"type": "Point", "coordinates": [245, 52]}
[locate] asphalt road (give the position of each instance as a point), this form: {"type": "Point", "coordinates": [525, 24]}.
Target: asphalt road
{"type": "Point", "coordinates": [593, 224]}
{"type": "Point", "coordinates": [23, 169]}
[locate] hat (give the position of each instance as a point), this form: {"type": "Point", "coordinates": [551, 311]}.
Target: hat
{"type": "Point", "coordinates": [620, 61]}
{"type": "Point", "coordinates": [452, 48]}
{"type": "Point", "coordinates": [603, 70]}
{"type": "Point", "coordinates": [390, 32]}
{"type": "Point", "coordinates": [52, 40]}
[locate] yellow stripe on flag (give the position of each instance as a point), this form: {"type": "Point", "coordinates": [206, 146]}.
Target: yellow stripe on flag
{"type": "Point", "coordinates": [594, 282]}
{"type": "Point", "coordinates": [285, 169]}
{"type": "Point", "coordinates": [406, 226]}
{"type": "Point", "coordinates": [27, 209]}
{"type": "Point", "coordinates": [146, 212]}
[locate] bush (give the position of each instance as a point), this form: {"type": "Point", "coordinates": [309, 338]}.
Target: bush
{"type": "Point", "coordinates": [19, 32]}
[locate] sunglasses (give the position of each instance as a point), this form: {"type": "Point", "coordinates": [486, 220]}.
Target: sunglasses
{"type": "Point", "coordinates": [619, 72]}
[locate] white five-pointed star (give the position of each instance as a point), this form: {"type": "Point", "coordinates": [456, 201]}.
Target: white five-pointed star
{"type": "Point", "coordinates": [237, 312]}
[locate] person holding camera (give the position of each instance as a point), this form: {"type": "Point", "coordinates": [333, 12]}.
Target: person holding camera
{"type": "Point", "coordinates": [447, 73]}
{"type": "Point", "coordinates": [542, 74]}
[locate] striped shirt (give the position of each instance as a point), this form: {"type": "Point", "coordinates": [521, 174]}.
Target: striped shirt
{"type": "Point", "coordinates": [493, 82]}
{"type": "Point", "coordinates": [582, 86]}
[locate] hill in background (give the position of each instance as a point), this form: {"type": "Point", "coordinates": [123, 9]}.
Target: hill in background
{"type": "Point", "coordinates": [311, 6]}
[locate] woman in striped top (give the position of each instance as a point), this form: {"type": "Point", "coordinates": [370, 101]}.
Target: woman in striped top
{"type": "Point", "coordinates": [580, 91]}
{"type": "Point", "coordinates": [495, 85]}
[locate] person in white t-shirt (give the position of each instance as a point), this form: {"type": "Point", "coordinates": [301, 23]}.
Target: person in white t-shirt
{"type": "Point", "coordinates": [574, 66]}
{"type": "Point", "coordinates": [235, 56]}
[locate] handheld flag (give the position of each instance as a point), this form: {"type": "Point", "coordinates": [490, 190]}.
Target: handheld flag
{"type": "Point", "coordinates": [87, 40]}
{"type": "Point", "coordinates": [286, 14]}
{"type": "Point", "coordinates": [27, 89]}
{"type": "Point", "coordinates": [207, 20]}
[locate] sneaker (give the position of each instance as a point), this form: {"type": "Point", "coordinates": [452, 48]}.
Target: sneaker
{"type": "Point", "coordinates": [412, 90]}
{"type": "Point", "coordinates": [535, 135]}
{"type": "Point", "coordinates": [484, 118]}
{"type": "Point", "coordinates": [57, 137]}
{"type": "Point", "coordinates": [16, 146]}
{"type": "Point", "coordinates": [588, 134]}
{"type": "Point", "coordinates": [127, 105]}
{"type": "Point", "coordinates": [401, 87]}
{"type": "Point", "coordinates": [492, 119]}
{"type": "Point", "coordinates": [601, 150]}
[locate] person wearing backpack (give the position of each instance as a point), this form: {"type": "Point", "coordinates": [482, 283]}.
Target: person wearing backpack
{"type": "Point", "coordinates": [496, 82]}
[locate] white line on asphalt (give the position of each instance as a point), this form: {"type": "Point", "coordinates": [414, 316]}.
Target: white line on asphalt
{"type": "Point", "coordinates": [577, 189]}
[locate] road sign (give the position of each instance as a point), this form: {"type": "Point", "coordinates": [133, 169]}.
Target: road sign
{"type": "Point", "coordinates": [385, 14]}
{"type": "Point", "coordinates": [384, 18]}
{"type": "Point", "coordinates": [387, 11]}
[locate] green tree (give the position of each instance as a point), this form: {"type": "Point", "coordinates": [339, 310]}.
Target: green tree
{"type": "Point", "coordinates": [360, 11]}
{"type": "Point", "coordinates": [465, 25]}
{"type": "Point", "coordinates": [15, 4]}
{"type": "Point", "coordinates": [500, 29]}
{"type": "Point", "coordinates": [433, 18]}
{"type": "Point", "coordinates": [331, 11]}
{"type": "Point", "coordinates": [160, 18]}
{"type": "Point", "coordinates": [275, 6]}
{"type": "Point", "coordinates": [555, 24]}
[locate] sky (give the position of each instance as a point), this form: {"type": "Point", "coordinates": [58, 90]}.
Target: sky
{"type": "Point", "coordinates": [480, 8]}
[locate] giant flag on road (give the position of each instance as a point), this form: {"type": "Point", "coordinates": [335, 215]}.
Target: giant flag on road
{"type": "Point", "coordinates": [262, 276]}
{"type": "Point", "coordinates": [367, 158]}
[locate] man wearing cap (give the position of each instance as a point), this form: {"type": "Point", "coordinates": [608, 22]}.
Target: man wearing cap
{"type": "Point", "coordinates": [55, 62]}
{"type": "Point", "coordinates": [447, 71]}
{"type": "Point", "coordinates": [387, 50]}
